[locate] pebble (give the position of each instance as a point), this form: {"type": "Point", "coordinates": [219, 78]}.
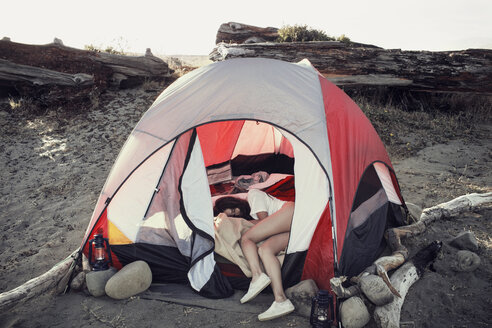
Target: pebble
{"type": "Point", "coordinates": [467, 261]}
{"type": "Point", "coordinates": [466, 241]}
{"type": "Point", "coordinates": [78, 282]}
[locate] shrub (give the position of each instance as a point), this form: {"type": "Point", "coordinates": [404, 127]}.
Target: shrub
{"type": "Point", "coordinates": [108, 49]}
{"type": "Point", "coordinates": [117, 49]}
{"type": "Point", "coordinates": [301, 33]}
{"type": "Point", "coordinates": [91, 47]}
{"type": "Point", "coordinates": [343, 38]}
{"type": "Point", "coordinates": [113, 51]}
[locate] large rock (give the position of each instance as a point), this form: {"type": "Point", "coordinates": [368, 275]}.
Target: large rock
{"type": "Point", "coordinates": [467, 261]}
{"type": "Point", "coordinates": [465, 240]}
{"type": "Point", "coordinates": [353, 313]}
{"type": "Point", "coordinates": [96, 281]}
{"type": "Point", "coordinates": [131, 280]}
{"type": "Point", "coordinates": [376, 289]}
{"type": "Point", "coordinates": [301, 296]}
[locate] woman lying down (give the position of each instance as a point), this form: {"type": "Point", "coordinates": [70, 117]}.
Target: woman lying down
{"type": "Point", "coordinates": [269, 221]}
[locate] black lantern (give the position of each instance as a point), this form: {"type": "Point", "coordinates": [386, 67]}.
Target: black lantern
{"type": "Point", "coordinates": [101, 248]}
{"type": "Point", "coordinates": [322, 314]}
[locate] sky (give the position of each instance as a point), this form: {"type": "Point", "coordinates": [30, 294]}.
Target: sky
{"type": "Point", "coordinates": [189, 27]}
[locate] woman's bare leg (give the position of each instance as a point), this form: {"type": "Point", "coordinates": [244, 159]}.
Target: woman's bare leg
{"type": "Point", "coordinates": [268, 253]}
{"type": "Point", "coordinates": [276, 223]}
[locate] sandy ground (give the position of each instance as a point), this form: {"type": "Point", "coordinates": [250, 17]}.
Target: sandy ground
{"type": "Point", "coordinates": [54, 166]}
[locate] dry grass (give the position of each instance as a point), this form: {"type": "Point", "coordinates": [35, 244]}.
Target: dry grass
{"type": "Point", "coordinates": [408, 125]}
{"type": "Point", "coordinates": [20, 104]}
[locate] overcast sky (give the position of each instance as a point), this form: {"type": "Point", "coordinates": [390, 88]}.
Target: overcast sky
{"type": "Point", "coordinates": [189, 27]}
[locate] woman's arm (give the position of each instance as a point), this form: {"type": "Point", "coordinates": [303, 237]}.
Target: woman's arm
{"type": "Point", "coordinates": [261, 216]}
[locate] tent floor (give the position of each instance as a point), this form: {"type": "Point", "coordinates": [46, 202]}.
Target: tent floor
{"type": "Point", "coordinates": [184, 295]}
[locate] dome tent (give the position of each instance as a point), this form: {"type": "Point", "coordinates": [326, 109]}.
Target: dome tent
{"type": "Point", "coordinates": [156, 204]}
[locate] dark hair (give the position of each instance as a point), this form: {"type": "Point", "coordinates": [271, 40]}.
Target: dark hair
{"type": "Point", "coordinates": [226, 202]}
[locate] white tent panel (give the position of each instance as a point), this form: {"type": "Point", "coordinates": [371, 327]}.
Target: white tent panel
{"type": "Point", "coordinates": [135, 150]}
{"type": "Point", "coordinates": [128, 207]}
{"type": "Point", "coordinates": [201, 272]}
{"type": "Point", "coordinates": [182, 235]}
{"type": "Point", "coordinates": [196, 192]}
{"type": "Point", "coordinates": [285, 94]}
{"type": "Point", "coordinates": [312, 193]}
{"type": "Point", "coordinates": [385, 178]}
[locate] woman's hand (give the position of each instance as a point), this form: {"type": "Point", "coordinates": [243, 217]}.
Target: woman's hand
{"type": "Point", "coordinates": [219, 218]}
{"type": "Point", "coordinates": [261, 215]}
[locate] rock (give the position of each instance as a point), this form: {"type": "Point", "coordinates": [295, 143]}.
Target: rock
{"type": "Point", "coordinates": [301, 296]}
{"type": "Point", "coordinates": [96, 281]}
{"type": "Point", "coordinates": [133, 279]}
{"type": "Point", "coordinates": [78, 282]}
{"type": "Point", "coordinates": [414, 210]}
{"type": "Point", "coordinates": [353, 313]}
{"type": "Point", "coordinates": [465, 240]}
{"type": "Point", "coordinates": [375, 289]}
{"type": "Point", "coordinates": [467, 261]}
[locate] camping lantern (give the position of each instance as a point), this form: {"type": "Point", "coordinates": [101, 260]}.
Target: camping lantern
{"type": "Point", "coordinates": [322, 314]}
{"type": "Point", "coordinates": [101, 247]}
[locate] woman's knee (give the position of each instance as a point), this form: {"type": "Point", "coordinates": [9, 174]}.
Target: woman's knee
{"type": "Point", "coordinates": [245, 239]}
{"type": "Point", "coordinates": [264, 251]}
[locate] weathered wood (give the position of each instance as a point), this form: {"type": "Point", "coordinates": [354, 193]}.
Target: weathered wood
{"type": "Point", "coordinates": [394, 236]}
{"type": "Point", "coordinates": [241, 33]}
{"type": "Point", "coordinates": [347, 64]}
{"type": "Point", "coordinates": [107, 70]}
{"type": "Point", "coordinates": [455, 207]}
{"type": "Point", "coordinates": [388, 315]}
{"type": "Point", "coordinates": [36, 286]}
{"type": "Point", "coordinates": [12, 74]}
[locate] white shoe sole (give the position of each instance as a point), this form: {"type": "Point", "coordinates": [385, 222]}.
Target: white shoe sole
{"type": "Point", "coordinates": [247, 298]}
{"type": "Point", "coordinates": [275, 316]}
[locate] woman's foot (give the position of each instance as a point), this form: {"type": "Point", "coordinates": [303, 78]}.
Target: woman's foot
{"type": "Point", "coordinates": [256, 287]}
{"type": "Point", "coordinates": [277, 310]}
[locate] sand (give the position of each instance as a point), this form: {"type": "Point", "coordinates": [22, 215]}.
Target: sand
{"type": "Point", "coordinates": [54, 165]}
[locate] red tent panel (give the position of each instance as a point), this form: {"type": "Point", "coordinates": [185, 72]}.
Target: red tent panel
{"type": "Point", "coordinates": [354, 144]}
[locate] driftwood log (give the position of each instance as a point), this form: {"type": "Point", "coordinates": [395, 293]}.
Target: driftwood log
{"type": "Point", "coordinates": [241, 33]}
{"type": "Point", "coordinates": [53, 73]}
{"type": "Point", "coordinates": [389, 315]}
{"type": "Point", "coordinates": [354, 65]}
{"type": "Point", "coordinates": [17, 73]}
{"type": "Point", "coordinates": [56, 278]}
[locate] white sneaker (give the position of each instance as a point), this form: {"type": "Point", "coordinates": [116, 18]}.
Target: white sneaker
{"type": "Point", "coordinates": [256, 287]}
{"type": "Point", "coordinates": [277, 310]}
